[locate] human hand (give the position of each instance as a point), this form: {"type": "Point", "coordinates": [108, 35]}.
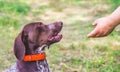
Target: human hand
{"type": "Point", "coordinates": [103, 27]}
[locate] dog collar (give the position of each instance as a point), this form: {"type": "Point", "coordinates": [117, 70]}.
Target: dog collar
{"type": "Point", "coordinates": [35, 57]}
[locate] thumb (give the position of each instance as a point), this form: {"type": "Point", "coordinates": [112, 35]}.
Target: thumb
{"type": "Point", "coordinates": [95, 22]}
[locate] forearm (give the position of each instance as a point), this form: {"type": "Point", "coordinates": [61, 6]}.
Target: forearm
{"type": "Point", "coordinates": [115, 16]}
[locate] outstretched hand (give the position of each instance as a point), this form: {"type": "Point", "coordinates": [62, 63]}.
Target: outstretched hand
{"type": "Point", "coordinates": [103, 27]}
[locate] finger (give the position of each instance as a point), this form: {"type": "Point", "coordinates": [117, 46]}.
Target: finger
{"type": "Point", "coordinates": [99, 34]}
{"type": "Point", "coordinates": [93, 33]}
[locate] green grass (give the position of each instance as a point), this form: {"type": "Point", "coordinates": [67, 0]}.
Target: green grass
{"type": "Point", "coordinates": [16, 7]}
{"type": "Point", "coordinates": [75, 52]}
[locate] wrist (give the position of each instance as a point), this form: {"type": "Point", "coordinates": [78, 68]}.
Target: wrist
{"type": "Point", "coordinates": [113, 20]}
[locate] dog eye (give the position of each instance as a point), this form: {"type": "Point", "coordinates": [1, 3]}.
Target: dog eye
{"type": "Point", "coordinates": [43, 30]}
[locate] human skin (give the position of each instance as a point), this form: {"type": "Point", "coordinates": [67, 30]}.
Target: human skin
{"type": "Point", "coordinates": [105, 25]}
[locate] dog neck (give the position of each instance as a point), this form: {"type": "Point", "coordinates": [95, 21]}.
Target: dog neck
{"type": "Point", "coordinates": [41, 48]}
{"type": "Point", "coordinates": [35, 57]}
{"type": "Point", "coordinates": [38, 55]}
{"type": "Point", "coordinates": [34, 66]}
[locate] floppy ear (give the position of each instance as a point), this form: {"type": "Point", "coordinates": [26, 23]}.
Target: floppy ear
{"type": "Point", "coordinates": [19, 47]}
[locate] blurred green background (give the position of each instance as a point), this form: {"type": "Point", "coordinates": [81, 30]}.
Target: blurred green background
{"type": "Point", "coordinates": [75, 52]}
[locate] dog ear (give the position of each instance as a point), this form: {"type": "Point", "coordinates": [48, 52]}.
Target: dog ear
{"type": "Point", "coordinates": [19, 47]}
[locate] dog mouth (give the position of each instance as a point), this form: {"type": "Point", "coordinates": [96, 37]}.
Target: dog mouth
{"type": "Point", "coordinates": [55, 38]}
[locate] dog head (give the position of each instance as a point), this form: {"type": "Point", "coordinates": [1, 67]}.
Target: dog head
{"type": "Point", "coordinates": [35, 37]}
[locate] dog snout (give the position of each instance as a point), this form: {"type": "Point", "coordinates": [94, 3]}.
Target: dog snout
{"type": "Point", "coordinates": [55, 25]}
{"type": "Point", "coordinates": [59, 23]}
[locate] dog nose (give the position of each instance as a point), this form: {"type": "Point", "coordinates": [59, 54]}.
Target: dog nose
{"type": "Point", "coordinates": [55, 24]}
{"type": "Point", "coordinates": [59, 23]}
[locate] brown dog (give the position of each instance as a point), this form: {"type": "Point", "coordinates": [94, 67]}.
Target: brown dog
{"type": "Point", "coordinates": [30, 44]}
